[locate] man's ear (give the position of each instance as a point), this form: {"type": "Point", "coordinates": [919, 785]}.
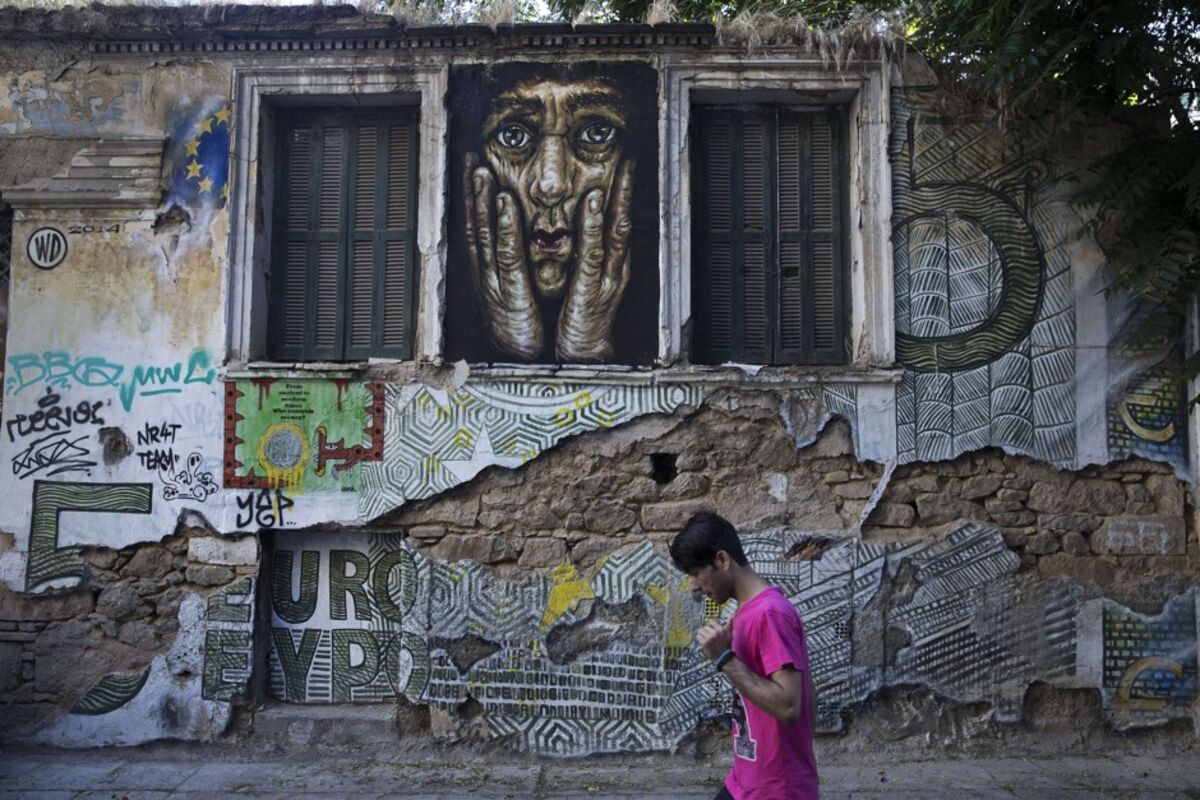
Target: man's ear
{"type": "Point", "coordinates": [723, 560]}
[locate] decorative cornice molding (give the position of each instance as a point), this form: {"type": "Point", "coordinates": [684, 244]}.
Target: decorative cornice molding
{"type": "Point", "coordinates": [461, 37]}
{"type": "Point", "coordinates": [110, 173]}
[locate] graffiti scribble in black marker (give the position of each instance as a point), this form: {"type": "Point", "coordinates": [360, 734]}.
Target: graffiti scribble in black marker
{"type": "Point", "coordinates": [56, 453]}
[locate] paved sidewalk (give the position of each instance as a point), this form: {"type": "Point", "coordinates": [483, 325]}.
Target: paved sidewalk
{"type": "Point", "coordinates": [195, 773]}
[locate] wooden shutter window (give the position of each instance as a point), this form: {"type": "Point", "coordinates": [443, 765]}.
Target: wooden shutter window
{"type": "Point", "coordinates": [343, 268]}
{"type": "Point", "coordinates": [768, 252]}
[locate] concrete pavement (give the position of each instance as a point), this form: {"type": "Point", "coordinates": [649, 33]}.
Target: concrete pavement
{"type": "Point", "coordinates": [193, 772]}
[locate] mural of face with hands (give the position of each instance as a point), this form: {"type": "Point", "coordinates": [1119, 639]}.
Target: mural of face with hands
{"type": "Point", "coordinates": [548, 216]}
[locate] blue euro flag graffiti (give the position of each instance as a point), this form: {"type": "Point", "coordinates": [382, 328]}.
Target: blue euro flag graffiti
{"type": "Point", "coordinates": [200, 176]}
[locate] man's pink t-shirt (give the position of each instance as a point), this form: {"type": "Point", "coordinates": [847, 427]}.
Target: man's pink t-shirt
{"type": "Point", "coordinates": [771, 760]}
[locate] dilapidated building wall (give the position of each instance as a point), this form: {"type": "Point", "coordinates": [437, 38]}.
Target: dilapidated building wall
{"type": "Point", "coordinates": [346, 362]}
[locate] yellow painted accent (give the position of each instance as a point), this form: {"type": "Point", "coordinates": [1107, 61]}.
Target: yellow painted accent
{"type": "Point", "coordinates": [1125, 687]}
{"type": "Point", "coordinates": [223, 115]}
{"type": "Point", "coordinates": [463, 437]}
{"type": "Point", "coordinates": [193, 169]}
{"type": "Point", "coordinates": [678, 634]}
{"type": "Point", "coordinates": [225, 192]}
{"type": "Point", "coordinates": [566, 590]}
{"type": "Point", "coordinates": [193, 148]}
{"type": "Point", "coordinates": [431, 463]}
{"type": "Point", "coordinates": [660, 594]}
{"type": "Point", "coordinates": [583, 399]}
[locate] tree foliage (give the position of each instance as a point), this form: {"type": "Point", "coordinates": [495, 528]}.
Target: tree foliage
{"type": "Point", "coordinates": [1055, 72]}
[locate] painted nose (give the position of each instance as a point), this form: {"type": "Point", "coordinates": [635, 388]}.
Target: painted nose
{"type": "Point", "coordinates": [550, 180]}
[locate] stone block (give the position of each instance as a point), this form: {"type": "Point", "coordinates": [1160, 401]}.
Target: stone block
{"type": "Point", "coordinates": [10, 665]}
{"type": "Point", "coordinates": [1076, 544]}
{"type": "Point", "coordinates": [1042, 543]}
{"type": "Point", "coordinates": [209, 574]}
{"type": "Point", "coordinates": [150, 561]}
{"type": "Point", "coordinates": [1124, 536]}
{"type": "Point", "coordinates": [1048, 493]}
{"type": "Point", "coordinates": [669, 516]}
{"type": "Point", "coordinates": [995, 505]}
{"type": "Point", "coordinates": [936, 509]}
{"type": "Point", "coordinates": [1167, 493]}
{"type": "Point", "coordinates": [855, 490]}
{"type": "Point", "coordinates": [837, 476]}
{"type": "Point", "coordinates": [1014, 518]}
{"type": "Point", "coordinates": [924, 483]}
{"type": "Point", "coordinates": [893, 515]}
{"type": "Point", "coordinates": [46, 606]}
{"type": "Point", "coordinates": [484, 549]}
{"type": "Point", "coordinates": [1094, 496]}
{"type": "Point", "coordinates": [776, 453]}
{"type": "Point", "coordinates": [980, 486]}
{"type": "Point", "coordinates": [608, 516]}
{"type": "Point", "coordinates": [427, 534]}
{"type": "Point", "coordinates": [1080, 523]}
{"type": "Point", "coordinates": [121, 601]}
{"type": "Point", "coordinates": [233, 551]}
{"type": "Point", "coordinates": [641, 490]}
{"type": "Point", "coordinates": [685, 487]}
{"type": "Point", "coordinates": [543, 553]}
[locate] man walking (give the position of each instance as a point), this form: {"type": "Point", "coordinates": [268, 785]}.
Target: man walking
{"type": "Point", "coordinates": [763, 653]}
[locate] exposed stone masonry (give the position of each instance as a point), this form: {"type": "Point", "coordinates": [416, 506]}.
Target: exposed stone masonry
{"type": "Point", "coordinates": [55, 646]}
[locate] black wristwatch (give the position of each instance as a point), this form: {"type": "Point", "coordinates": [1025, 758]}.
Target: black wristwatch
{"type": "Point", "coordinates": [723, 659]}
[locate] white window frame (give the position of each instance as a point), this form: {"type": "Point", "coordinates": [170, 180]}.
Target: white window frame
{"type": "Point", "coordinates": [249, 235]}
{"type": "Point", "coordinates": [869, 282]}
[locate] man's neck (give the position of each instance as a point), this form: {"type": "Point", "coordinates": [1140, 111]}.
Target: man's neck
{"type": "Point", "coordinates": [747, 585]}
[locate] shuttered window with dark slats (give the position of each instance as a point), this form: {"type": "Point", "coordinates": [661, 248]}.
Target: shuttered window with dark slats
{"type": "Point", "coordinates": [343, 273]}
{"type": "Point", "coordinates": [768, 252]}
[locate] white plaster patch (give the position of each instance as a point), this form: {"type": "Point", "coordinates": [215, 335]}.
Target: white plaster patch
{"type": "Point", "coordinates": [1143, 536]}
{"type": "Point", "coordinates": [169, 705]}
{"type": "Point", "coordinates": [233, 552]}
{"type": "Point", "coordinates": [777, 486]}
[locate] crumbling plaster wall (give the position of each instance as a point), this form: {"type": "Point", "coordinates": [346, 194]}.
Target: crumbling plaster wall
{"type": "Point", "coordinates": [521, 522]}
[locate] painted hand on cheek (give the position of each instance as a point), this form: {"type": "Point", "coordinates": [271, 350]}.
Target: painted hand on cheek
{"type": "Point", "coordinates": [601, 272]}
{"type": "Point", "coordinates": [497, 254]}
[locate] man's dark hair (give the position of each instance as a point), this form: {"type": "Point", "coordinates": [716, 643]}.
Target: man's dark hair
{"type": "Point", "coordinates": [705, 535]}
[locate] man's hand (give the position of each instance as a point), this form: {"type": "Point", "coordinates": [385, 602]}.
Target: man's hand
{"type": "Point", "coordinates": [714, 638]}
{"type": "Point", "coordinates": [497, 252]}
{"type": "Point", "coordinates": [601, 272]}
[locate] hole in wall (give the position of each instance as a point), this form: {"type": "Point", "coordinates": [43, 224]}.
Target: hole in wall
{"type": "Point", "coordinates": [469, 708]}
{"type": "Point", "coordinates": [662, 467]}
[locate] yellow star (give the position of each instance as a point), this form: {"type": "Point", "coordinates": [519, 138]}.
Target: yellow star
{"type": "Point", "coordinates": [194, 169]}
{"type": "Point", "coordinates": [225, 192]}
{"type": "Point", "coordinates": [206, 126]}
{"type": "Point", "coordinates": [193, 148]}
{"type": "Point", "coordinates": [222, 115]}
{"type": "Point", "coordinates": [206, 185]}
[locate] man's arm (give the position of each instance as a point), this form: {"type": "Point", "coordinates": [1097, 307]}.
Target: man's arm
{"type": "Point", "coordinates": [781, 694]}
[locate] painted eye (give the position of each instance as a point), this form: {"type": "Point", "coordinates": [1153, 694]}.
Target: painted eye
{"type": "Point", "coordinates": [598, 133]}
{"type": "Point", "coordinates": [513, 137]}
